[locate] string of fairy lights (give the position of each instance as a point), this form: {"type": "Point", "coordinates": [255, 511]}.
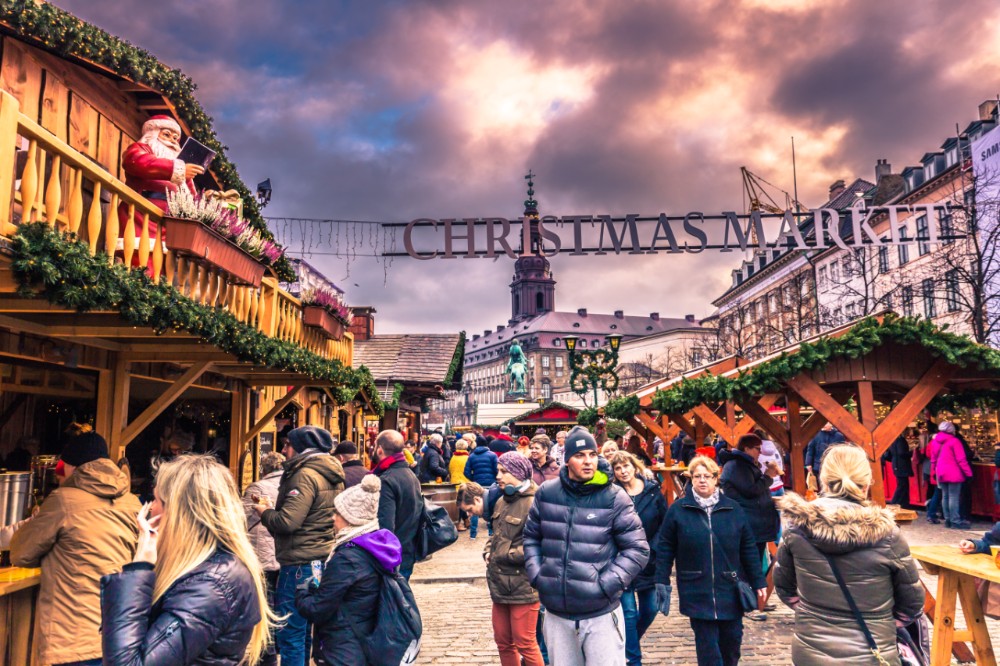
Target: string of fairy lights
{"type": "Point", "coordinates": [348, 240]}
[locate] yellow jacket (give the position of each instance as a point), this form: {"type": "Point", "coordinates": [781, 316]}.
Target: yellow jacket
{"type": "Point", "coordinates": [457, 467]}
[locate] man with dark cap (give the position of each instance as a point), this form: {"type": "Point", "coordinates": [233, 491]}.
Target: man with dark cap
{"type": "Point", "coordinates": [503, 442]}
{"type": "Point", "coordinates": [302, 524]}
{"type": "Point", "coordinates": [581, 530]}
{"type": "Point", "coordinates": [85, 529]}
{"type": "Point", "coordinates": [354, 470]}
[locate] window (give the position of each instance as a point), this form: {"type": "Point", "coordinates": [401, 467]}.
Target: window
{"type": "Point", "coordinates": [951, 289]}
{"type": "Point", "coordinates": [969, 199]}
{"type": "Point", "coordinates": [834, 272]}
{"type": "Point", "coordinates": [546, 389]}
{"type": "Point", "coordinates": [559, 366]}
{"type": "Point", "coordinates": [545, 365]}
{"type": "Point", "coordinates": [883, 259]}
{"type": "Point", "coordinates": [539, 301]}
{"type": "Point", "coordinates": [923, 231]}
{"type": "Point", "coordinates": [927, 287]}
{"type": "Point", "coordinates": [557, 342]}
{"type": "Point", "coordinates": [822, 277]}
{"type": "Point", "coordinates": [904, 249]}
{"type": "Point", "coordinates": [848, 267]}
{"type": "Point", "coordinates": [946, 226]}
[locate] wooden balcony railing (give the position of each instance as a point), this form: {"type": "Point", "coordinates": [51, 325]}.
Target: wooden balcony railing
{"type": "Point", "coordinates": [64, 188]}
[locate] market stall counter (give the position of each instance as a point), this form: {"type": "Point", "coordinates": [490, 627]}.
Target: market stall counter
{"type": "Point", "coordinates": [18, 594]}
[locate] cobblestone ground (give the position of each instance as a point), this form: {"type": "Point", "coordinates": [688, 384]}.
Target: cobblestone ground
{"type": "Point", "coordinates": [455, 605]}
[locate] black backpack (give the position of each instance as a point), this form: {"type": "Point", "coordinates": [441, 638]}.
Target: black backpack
{"type": "Point", "coordinates": [434, 532]}
{"type": "Point", "coordinates": [395, 639]}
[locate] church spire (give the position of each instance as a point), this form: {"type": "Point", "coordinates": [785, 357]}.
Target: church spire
{"type": "Point", "coordinates": [533, 291]}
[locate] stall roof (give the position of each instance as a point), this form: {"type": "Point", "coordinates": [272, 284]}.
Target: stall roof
{"type": "Point", "coordinates": [553, 413]}
{"type": "Point", "coordinates": [425, 364]}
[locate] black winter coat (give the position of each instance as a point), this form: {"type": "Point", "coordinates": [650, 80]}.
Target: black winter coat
{"type": "Point", "coordinates": [651, 508]}
{"type": "Point", "coordinates": [432, 466]}
{"type": "Point", "coordinates": [583, 545]}
{"type": "Point", "coordinates": [743, 482]}
{"type": "Point", "coordinates": [205, 618]}
{"type": "Point", "coordinates": [704, 588]}
{"type": "Point", "coordinates": [347, 594]}
{"type": "Point", "coordinates": [354, 471]}
{"type": "Point", "coordinates": [400, 505]}
{"type": "Point", "coordinates": [901, 458]}
{"type": "Point", "coordinates": [481, 466]}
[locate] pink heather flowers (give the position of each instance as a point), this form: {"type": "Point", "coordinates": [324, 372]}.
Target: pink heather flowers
{"type": "Point", "coordinates": [329, 301]}
{"type": "Point", "coordinates": [223, 220]}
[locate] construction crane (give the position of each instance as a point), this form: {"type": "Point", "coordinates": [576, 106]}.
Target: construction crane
{"type": "Point", "coordinates": [758, 199]}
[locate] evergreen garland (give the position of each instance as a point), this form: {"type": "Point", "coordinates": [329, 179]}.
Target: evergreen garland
{"type": "Point", "coordinates": [865, 336]}
{"type": "Point", "coordinates": [622, 408]}
{"type": "Point", "coordinates": [61, 32]}
{"type": "Point", "coordinates": [453, 378]}
{"type": "Point", "coordinates": [587, 417]}
{"type": "Point", "coordinates": [69, 276]}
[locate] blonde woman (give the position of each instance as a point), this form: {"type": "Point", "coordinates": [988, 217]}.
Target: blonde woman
{"type": "Point", "coordinates": [843, 529]}
{"type": "Point", "coordinates": [194, 593]}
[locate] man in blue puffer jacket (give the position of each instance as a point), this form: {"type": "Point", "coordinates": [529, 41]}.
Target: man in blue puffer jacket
{"type": "Point", "coordinates": [481, 468]}
{"type": "Point", "coordinates": [583, 545]}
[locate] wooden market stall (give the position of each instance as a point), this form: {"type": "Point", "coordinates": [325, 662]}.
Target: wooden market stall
{"type": "Point", "coordinates": [887, 370]}
{"type": "Point", "coordinates": [113, 322]}
{"type": "Point", "coordinates": [409, 370]}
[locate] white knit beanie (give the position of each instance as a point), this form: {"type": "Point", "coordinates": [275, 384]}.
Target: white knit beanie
{"type": "Point", "coordinates": [359, 504]}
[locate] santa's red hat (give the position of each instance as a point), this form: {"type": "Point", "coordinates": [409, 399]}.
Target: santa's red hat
{"type": "Point", "coordinates": [160, 122]}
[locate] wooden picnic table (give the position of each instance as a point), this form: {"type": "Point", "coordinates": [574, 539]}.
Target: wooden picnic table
{"type": "Point", "coordinates": [956, 574]}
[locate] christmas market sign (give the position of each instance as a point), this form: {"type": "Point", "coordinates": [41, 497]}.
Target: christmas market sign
{"type": "Point", "coordinates": [695, 232]}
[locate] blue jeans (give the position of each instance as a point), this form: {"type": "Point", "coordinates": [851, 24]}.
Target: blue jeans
{"type": "Point", "coordinates": [934, 503]}
{"type": "Point", "coordinates": [718, 642]}
{"type": "Point", "coordinates": [639, 608]}
{"type": "Point", "coordinates": [295, 638]}
{"type": "Point", "coordinates": [89, 662]}
{"type": "Point", "coordinates": [539, 636]}
{"type": "Point", "coordinates": [952, 493]}
{"type": "Point", "coordinates": [474, 527]}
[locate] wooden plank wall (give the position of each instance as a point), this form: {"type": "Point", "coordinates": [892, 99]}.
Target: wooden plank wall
{"type": "Point", "coordinates": [81, 107]}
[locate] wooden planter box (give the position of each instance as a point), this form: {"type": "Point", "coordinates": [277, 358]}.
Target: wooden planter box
{"type": "Point", "coordinates": [194, 240]}
{"type": "Point", "coordinates": [317, 317]}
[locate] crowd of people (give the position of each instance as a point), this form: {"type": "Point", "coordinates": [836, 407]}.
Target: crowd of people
{"type": "Point", "coordinates": [582, 550]}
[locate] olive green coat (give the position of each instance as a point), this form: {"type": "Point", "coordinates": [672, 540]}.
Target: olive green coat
{"type": "Point", "coordinates": [505, 574]}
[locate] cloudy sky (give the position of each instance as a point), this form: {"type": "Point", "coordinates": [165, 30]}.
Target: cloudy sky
{"type": "Point", "coordinates": [373, 110]}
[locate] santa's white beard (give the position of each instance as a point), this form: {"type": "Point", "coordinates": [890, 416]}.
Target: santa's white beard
{"type": "Point", "coordinates": [167, 151]}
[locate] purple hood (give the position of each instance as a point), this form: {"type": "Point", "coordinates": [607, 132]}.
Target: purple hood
{"type": "Point", "coordinates": [383, 546]}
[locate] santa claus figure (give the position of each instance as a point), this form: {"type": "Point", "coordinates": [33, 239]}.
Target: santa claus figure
{"type": "Point", "coordinates": [152, 168]}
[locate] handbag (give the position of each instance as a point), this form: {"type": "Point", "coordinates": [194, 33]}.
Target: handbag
{"type": "Point", "coordinates": [912, 652]}
{"type": "Point", "coordinates": [746, 594]}
{"type": "Point", "coordinates": [434, 532]}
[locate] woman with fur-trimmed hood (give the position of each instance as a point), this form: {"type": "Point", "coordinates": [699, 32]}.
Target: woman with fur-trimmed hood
{"type": "Point", "coordinates": [871, 555]}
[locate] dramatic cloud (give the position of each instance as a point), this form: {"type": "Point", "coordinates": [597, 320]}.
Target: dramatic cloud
{"type": "Point", "coordinates": [398, 110]}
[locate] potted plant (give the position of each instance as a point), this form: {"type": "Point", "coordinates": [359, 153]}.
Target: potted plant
{"type": "Point", "coordinates": [211, 234]}
{"type": "Point", "coordinates": [325, 311]}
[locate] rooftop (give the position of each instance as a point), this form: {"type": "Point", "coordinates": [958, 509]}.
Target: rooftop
{"type": "Point", "coordinates": [412, 358]}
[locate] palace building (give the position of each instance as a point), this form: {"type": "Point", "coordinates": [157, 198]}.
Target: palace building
{"type": "Point", "coordinates": [540, 330]}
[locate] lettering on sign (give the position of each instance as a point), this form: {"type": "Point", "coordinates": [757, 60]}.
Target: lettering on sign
{"type": "Point", "coordinates": [579, 235]}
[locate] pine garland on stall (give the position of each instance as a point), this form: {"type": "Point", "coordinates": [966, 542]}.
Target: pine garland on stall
{"type": "Point", "coordinates": [69, 276]}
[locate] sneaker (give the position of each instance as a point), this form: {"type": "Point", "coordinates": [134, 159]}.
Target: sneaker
{"type": "Point", "coordinates": [964, 525]}
{"type": "Point", "coordinates": [770, 607]}
{"type": "Point", "coordinates": [756, 616]}
{"type": "Point", "coordinates": [472, 536]}
{"type": "Point", "coordinates": [932, 520]}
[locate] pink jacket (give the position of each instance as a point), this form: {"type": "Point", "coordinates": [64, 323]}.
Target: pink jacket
{"type": "Point", "coordinates": [948, 461]}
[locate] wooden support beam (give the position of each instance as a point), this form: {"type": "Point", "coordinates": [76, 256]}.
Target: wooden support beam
{"type": "Point", "coordinates": [113, 389]}
{"type": "Point", "coordinates": [763, 418]}
{"type": "Point", "coordinates": [823, 402]}
{"type": "Point", "coordinates": [273, 412]}
{"type": "Point", "coordinates": [907, 409]}
{"type": "Point", "coordinates": [866, 405]}
{"type": "Point", "coordinates": [712, 420]}
{"type": "Point", "coordinates": [700, 431]}
{"type": "Point", "coordinates": [239, 403]}
{"type": "Point", "coordinates": [798, 442]}
{"type": "Point", "coordinates": [681, 421]}
{"type": "Point", "coordinates": [812, 425]}
{"type": "Point", "coordinates": [168, 397]}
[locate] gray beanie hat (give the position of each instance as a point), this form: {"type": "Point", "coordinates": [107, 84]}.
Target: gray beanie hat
{"type": "Point", "coordinates": [359, 504]}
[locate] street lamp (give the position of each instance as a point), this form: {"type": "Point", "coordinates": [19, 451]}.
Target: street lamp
{"type": "Point", "coordinates": [593, 369]}
{"type": "Point", "coordinates": [264, 192]}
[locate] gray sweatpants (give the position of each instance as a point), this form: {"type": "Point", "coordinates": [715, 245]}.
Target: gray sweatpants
{"type": "Point", "coordinates": [599, 641]}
